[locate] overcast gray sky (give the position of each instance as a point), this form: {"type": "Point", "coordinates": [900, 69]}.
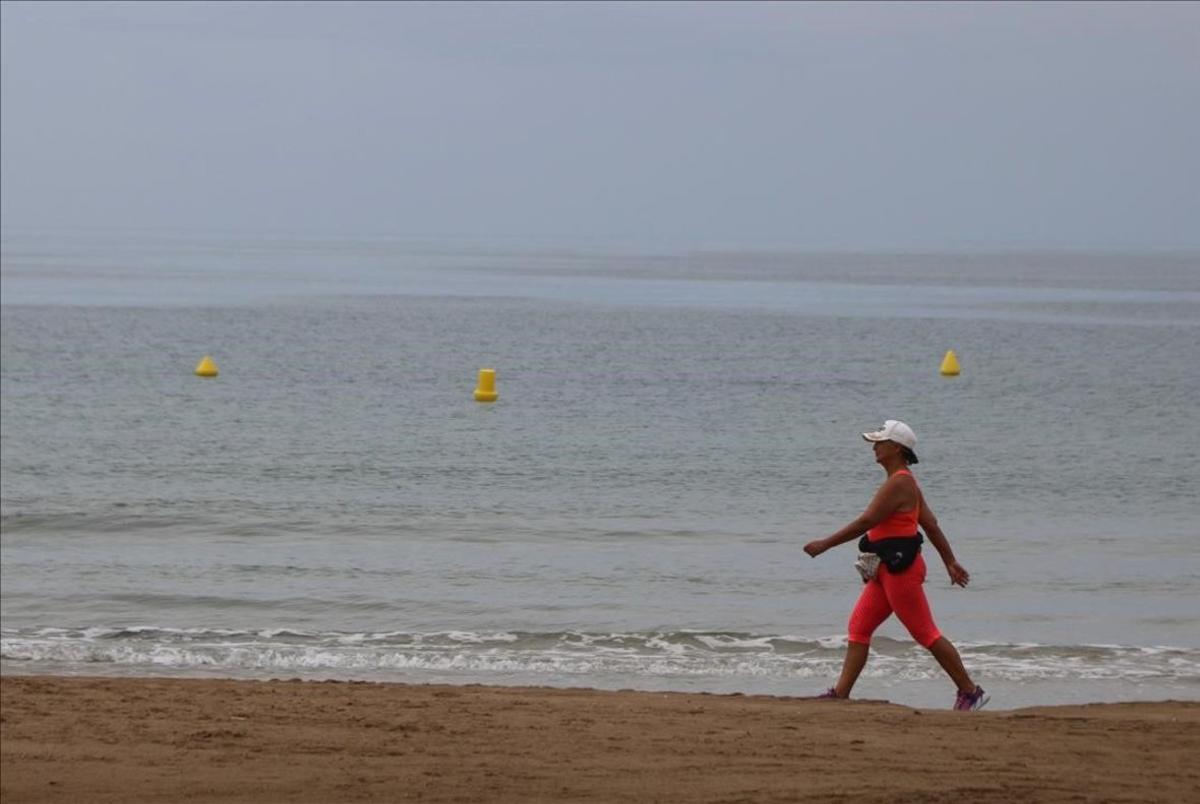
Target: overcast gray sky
{"type": "Point", "coordinates": [807, 126]}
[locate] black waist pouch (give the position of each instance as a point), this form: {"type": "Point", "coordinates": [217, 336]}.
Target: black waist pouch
{"type": "Point", "coordinates": [897, 553]}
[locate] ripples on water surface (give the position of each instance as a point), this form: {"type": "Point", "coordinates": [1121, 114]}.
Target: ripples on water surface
{"type": "Point", "coordinates": [630, 514]}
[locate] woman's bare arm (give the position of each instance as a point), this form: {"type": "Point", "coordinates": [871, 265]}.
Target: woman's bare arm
{"type": "Point", "coordinates": [928, 521]}
{"type": "Point", "coordinates": [887, 500]}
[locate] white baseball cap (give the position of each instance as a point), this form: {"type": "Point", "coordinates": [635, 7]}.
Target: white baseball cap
{"type": "Point", "coordinates": [899, 432]}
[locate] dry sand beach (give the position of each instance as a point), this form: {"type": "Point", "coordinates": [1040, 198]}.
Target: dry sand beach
{"type": "Point", "coordinates": [166, 740]}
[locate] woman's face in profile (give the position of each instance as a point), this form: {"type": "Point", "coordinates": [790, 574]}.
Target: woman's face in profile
{"type": "Point", "coordinates": [883, 449]}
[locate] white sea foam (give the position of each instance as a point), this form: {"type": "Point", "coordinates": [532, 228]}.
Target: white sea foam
{"type": "Point", "coordinates": [663, 654]}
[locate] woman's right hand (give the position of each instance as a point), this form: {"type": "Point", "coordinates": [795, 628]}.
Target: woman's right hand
{"type": "Point", "coordinates": [815, 548]}
{"type": "Point", "coordinates": [958, 574]}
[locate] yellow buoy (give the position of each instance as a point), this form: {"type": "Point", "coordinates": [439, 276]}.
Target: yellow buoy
{"type": "Point", "coordinates": [950, 364]}
{"type": "Point", "coordinates": [206, 367]}
{"type": "Point", "coordinates": [486, 392]}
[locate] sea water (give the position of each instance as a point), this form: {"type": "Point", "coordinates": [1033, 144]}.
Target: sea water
{"type": "Point", "coordinates": [671, 430]}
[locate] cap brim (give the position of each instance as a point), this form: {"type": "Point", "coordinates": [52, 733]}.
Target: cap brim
{"type": "Point", "coordinates": [876, 436]}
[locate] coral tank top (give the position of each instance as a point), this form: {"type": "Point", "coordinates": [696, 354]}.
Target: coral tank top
{"type": "Point", "coordinates": [901, 523]}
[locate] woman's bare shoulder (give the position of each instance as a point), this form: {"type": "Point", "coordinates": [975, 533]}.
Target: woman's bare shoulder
{"type": "Point", "coordinates": [901, 486]}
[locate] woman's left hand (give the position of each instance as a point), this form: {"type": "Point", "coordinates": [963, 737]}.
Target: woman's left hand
{"type": "Point", "coordinates": [815, 548]}
{"type": "Point", "coordinates": [958, 574]}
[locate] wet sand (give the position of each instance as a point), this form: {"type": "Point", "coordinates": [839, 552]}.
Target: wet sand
{"type": "Point", "coordinates": [169, 740]}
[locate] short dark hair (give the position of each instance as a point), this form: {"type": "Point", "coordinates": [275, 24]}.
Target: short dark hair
{"type": "Point", "coordinates": [910, 457]}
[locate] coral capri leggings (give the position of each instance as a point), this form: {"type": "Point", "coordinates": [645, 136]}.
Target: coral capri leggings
{"type": "Point", "coordinates": [902, 594]}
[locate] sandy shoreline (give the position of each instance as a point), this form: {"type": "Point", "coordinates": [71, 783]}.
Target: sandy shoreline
{"type": "Point", "coordinates": [160, 740]}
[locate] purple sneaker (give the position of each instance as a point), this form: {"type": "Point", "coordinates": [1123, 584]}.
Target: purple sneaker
{"type": "Point", "coordinates": [971, 701]}
{"type": "Point", "coordinates": [828, 695]}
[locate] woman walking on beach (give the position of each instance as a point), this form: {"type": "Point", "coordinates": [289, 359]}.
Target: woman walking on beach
{"type": "Point", "coordinates": [893, 583]}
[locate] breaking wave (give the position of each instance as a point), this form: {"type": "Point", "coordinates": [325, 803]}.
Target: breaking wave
{"type": "Point", "coordinates": [534, 655]}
